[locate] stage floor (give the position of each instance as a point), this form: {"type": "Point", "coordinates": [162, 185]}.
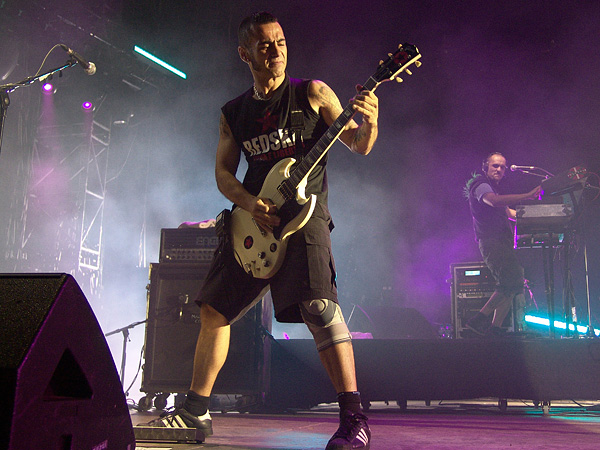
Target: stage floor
{"type": "Point", "coordinates": [446, 425]}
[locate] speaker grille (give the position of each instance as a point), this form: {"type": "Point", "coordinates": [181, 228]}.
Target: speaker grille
{"type": "Point", "coordinates": [25, 302]}
{"type": "Point", "coordinates": [172, 331]}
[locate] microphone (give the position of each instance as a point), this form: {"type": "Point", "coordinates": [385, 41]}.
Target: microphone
{"type": "Point", "coordinates": [513, 168]}
{"type": "Point", "coordinates": [87, 66]}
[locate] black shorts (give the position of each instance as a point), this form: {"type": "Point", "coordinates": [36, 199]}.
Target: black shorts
{"type": "Point", "coordinates": [499, 256]}
{"type": "Point", "coordinates": [307, 273]}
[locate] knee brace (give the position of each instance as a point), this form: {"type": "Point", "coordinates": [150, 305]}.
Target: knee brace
{"type": "Point", "coordinates": [325, 321]}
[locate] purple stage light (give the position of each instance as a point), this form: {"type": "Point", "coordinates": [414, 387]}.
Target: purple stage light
{"type": "Point", "coordinates": [87, 105]}
{"type": "Point", "coordinates": [47, 88]}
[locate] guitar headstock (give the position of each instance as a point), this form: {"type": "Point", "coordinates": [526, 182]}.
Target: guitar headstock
{"type": "Point", "coordinates": [397, 62]}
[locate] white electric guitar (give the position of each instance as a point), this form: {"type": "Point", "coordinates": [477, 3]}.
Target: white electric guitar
{"type": "Point", "coordinates": [261, 252]}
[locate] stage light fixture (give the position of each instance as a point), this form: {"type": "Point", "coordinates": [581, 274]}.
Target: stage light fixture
{"type": "Point", "coordinates": [48, 88]}
{"type": "Point", "coordinates": [159, 61]}
{"type": "Point", "coordinates": [581, 329]}
{"type": "Point", "coordinates": [87, 106]}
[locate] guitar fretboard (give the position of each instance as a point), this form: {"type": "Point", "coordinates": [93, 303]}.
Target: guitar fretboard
{"type": "Point", "coordinates": [289, 186]}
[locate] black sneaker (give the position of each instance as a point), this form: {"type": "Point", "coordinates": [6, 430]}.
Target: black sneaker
{"type": "Point", "coordinates": [181, 418]}
{"type": "Point", "coordinates": [353, 433]}
{"type": "Point", "coordinates": [479, 324]}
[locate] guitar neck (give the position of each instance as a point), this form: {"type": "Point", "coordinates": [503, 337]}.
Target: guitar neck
{"type": "Point", "coordinates": [312, 158]}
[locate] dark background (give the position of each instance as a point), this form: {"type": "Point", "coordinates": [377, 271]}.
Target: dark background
{"type": "Point", "coordinates": [516, 77]}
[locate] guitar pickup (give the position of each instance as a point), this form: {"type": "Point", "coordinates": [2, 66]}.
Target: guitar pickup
{"type": "Point", "coordinates": [261, 230]}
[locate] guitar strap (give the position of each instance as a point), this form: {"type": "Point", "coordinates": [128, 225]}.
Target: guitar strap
{"type": "Point", "coordinates": [296, 122]}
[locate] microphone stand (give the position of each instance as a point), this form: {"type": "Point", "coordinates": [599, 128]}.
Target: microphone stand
{"type": "Point", "coordinates": [6, 89]}
{"type": "Point", "coordinates": [125, 331]}
{"type": "Point", "coordinates": [548, 174]}
{"type": "Point", "coordinates": [548, 263]}
{"type": "Point", "coordinates": [590, 331]}
{"type": "Point", "coordinates": [537, 174]}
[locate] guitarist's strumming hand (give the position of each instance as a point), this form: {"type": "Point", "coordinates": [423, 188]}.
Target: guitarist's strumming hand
{"type": "Point", "coordinates": [264, 213]}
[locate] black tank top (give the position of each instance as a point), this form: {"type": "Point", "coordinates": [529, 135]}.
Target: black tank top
{"type": "Point", "coordinates": [261, 128]}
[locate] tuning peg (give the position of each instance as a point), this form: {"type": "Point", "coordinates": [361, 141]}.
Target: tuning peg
{"type": "Point", "coordinates": [381, 62]}
{"type": "Point", "coordinates": [408, 71]}
{"type": "Point", "coordinates": [399, 80]}
{"type": "Point", "coordinates": [399, 45]}
{"type": "Point", "coordinates": [390, 55]}
{"type": "Point", "coordinates": [418, 63]}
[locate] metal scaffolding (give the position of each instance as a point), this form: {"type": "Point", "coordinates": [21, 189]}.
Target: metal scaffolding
{"type": "Point", "coordinates": [57, 207]}
{"type": "Point", "coordinates": [92, 212]}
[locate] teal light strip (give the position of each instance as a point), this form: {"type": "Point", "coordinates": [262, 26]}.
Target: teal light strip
{"type": "Point", "coordinates": [159, 61]}
{"type": "Point", "coordinates": [557, 324]}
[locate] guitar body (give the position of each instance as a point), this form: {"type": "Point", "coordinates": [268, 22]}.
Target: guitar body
{"type": "Point", "coordinates": [259, 251]}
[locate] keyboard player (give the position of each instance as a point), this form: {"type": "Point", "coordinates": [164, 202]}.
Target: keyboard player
{"type": "Point", "coordinates": [491, 214]}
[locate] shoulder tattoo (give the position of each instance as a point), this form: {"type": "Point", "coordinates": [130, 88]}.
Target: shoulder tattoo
{"type": "Point", "coordinates": [324, 97]}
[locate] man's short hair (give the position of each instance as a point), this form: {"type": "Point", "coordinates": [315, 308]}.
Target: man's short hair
{"type": "Point", "coordinates": [486, 162]}
{"type": "Point", "coordinates": [246, 28]}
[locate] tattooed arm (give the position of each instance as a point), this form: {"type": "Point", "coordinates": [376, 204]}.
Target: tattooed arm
{"type": "Point", "coordinates": [359, 139]}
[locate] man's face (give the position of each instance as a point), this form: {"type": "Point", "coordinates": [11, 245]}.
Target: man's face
{"type": "Point", "coordinates": [266, 52]}
{"type": "Point", "coordinates": [496, 168]}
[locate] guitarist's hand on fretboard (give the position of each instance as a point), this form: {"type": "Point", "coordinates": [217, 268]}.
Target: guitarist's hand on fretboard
{"type": "Point", "coordinates": [366, 103]}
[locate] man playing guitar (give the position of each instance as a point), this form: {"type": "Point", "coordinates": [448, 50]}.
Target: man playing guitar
{"type": "Point", "coordinates": [259, 124]}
